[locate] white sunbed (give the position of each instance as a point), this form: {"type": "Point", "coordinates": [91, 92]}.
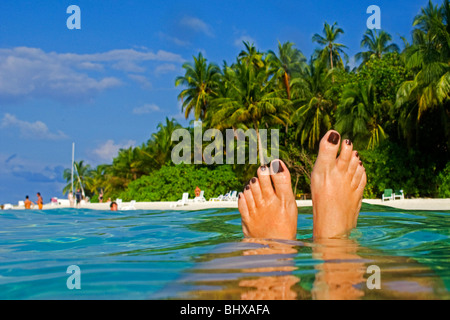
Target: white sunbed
{"type": "Point", "coordinates": [119, 204]}
{"type": "Point", "coordinates": [184, 200]}
{"type": "Point", "coordinates": [130, 206]}
{"type": "Point", "coordinates": [21, 204]}
{"type": "Point", "coordinates": [200, 198]}
{"type": "Point", "coordinates": [231, 197]}
{"type": "Point", "coordinates": [219, 198]}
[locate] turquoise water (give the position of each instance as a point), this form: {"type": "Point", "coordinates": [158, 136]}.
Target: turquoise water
{"type": "Point", "coordinates": [200, 255]}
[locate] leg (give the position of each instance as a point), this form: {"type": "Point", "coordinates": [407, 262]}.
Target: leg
{"type": "Point", "coordinates": [337, 186]}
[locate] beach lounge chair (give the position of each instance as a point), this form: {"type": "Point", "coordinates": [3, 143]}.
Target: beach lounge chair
{"type": "Point", "coordinates": [231, 196]}
{"type": "Point", "coordinates": [387, 195]}
{"type": "Point", "coordinates": [7, 206]}
{"type": "Point", "coordinates": [200, 198]}
{"type": "Point", "coordinates": [219, 198]}
{"type": "Point", "coordinates": [399, 194]}
{"type": "Point", "coordinates": [130, 206]}
{"type": "Point", "coordinates": [119, 204]}
{"type": "Point", "coordinates": [184, 200]}
{"type": "Point", "coordinates": [21, 204]}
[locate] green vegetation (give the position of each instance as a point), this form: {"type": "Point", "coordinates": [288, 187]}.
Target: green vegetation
{"type": "Point", "coordinates": [394, 106]}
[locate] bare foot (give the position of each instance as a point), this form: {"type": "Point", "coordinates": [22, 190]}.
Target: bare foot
{"type": "Point", "coordinates": [269, 213]}
{"type": "Point", "coordinates": [337, 186]}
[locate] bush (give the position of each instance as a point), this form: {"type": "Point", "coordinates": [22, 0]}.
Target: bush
{"type": "Point", "coordinates": [443, 181]}
{"type": "Point", "coordinates": [391, 166]}
{"type": "Point", "coordinates": [171, 181]}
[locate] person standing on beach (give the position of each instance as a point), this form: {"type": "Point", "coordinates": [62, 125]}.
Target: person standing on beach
{"type": "Point", "coordinates": [40, 202]}
{"type": "Point", "coordinates": [28, 203]}
{"type": "Point", "coordinates": [78, 196]}
{"type": "Point", "coordinates": [70, 196]}
{"type": "Point", "coordinates": [197, 191]}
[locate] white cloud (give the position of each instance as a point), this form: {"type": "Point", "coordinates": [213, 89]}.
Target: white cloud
{"type": "Point", "coordinates": [175, 40]}
{"type": "Point", "coordinates": [165, 68]}
{"type": "Point", "coordinates": [30, 130]}
{"type": "Point", "coordinates": [141, 80]}
{"type": "Point", "coordinates": [32, 73]}
{"type": "Point", "coordinates": [196, 25]}
{"type": "Point", "coordinates": [109, 149]}
{"type": "Point", "coordinates": [147, 108]}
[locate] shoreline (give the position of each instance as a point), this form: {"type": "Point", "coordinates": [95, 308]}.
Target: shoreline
{"type": "Point", "coordinates": [406, 204]}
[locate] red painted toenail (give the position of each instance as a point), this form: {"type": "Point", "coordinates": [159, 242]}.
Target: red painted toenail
{"type": "Point", "coordinates": [333, 138]}
{"type": "Point", "coordinates": [247, 187]}
{"type": "Point", "coordinates": [253, 180]}
{"type": "Point", "coordinates": [348, 142]}
{"type": "Point", "coordinates": [356, 154]}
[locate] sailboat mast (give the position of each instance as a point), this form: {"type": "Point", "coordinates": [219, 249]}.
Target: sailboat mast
{"type": "Point", "coordinates": [73, 154]}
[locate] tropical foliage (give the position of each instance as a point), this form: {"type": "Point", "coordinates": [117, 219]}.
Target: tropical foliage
{"type": "Point", "coordinates": [394, 106]}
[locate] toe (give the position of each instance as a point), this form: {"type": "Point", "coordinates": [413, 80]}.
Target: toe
{"type": "Point", "coordinates": [281, 179]}
{"type": "Point", "coordinates": [242, 206]}
{"type": "Point", "coordinates": [353, 164]}
{"type": "Point", "coordinates": [249, 200]}
{"type": "Point", "coordinates": [345, 155]}
{"type": "Point", "coordinates": [362, 183]}
{"type": "Point", "coordinates": [256, 192]}
{"type": "Point", "coordinates": [357, 177]}
{"type": "Point", "coordinates": [328, 149]}
{"type": "Point", "coordinates": [265, 182]}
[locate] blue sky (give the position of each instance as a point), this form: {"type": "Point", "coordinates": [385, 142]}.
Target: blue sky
{"type": "Point", "coordinates": [109, 84]}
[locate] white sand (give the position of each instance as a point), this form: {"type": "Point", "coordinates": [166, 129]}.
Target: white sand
{"type": "Point", "coordinates": [408, 204]}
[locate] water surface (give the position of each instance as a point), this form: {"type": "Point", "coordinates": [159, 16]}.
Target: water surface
{"type": "Point", "coordinates": [201, 255]}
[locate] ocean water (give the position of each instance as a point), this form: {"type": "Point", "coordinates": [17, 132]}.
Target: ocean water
{"type": "Point", "coordinates": [393, 254]}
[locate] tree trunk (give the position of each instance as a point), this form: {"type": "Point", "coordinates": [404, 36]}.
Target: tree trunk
{"type": "Point", "coordinates": [295, 187]}
{"type": "Point", "coordinates": [286, 84]}
{"type": "Point", "coordinates": [261, 151]}
{"type": "Point", "coordinates": [331, 61]}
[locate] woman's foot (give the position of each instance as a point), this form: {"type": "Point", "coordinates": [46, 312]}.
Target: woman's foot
{"type": "Point", "coordinates": [269, 211]}
{"type": "Point", "coordinates": [337, 185]}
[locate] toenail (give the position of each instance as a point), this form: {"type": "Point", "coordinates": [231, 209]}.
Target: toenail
{"type": "Point", "coordinates": [360, 163]}
{"type": "Point", "coordinates": [253, 180]}
{"type": "Point", "coordinates": [333, 138]}
{"type": "Point", "coordinates": [348, 142]}
{"type": "Point", "coordinates": [356, 154]}
{"type": "Point", "coordinates": [247, 187]}
{"type": "Point", "coordinates": [239, 195]}
{"type": "Point", "coordinates": [277, 167]}
{"type": "Point", "coordinates": [263, 168]}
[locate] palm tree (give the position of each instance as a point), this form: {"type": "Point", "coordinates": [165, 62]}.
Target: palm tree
{"type": "Point", "coordinates": [313, 109]}
{"type": "Point", "coordinates": [201, 82]}
{"type": "Point", "coordinates": [251, 56]}
{"type": "Point", "coordinates": [428, 57]}
{"type": "Point", "coordinates": [288, 61]}
{"type": "Point", "coordinates": [377, 44]}
{"type": "Point", "coordinates": [160, 146]}
{"type": "Point", "coordinates": [331, 48]}
{"type": "Point", "coordinates": [251, 101]}
{"type": "Point", "coordinates": [82, 173]}
{"type": "Point", "coordinates": [358, 115]}
{"type": "Point", "coordinates": [98, 179]}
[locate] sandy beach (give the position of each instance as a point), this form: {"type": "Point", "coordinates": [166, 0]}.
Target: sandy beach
{"type": "Point", "coordinates": [406, 204]}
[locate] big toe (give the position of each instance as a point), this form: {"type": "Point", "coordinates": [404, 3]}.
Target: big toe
{"type": "Point", "coordinates": [281, 179]}
{"type": "Point", "coordinates": [328, 150]}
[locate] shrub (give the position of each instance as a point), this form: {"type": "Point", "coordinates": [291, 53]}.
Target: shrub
{"type": "Point", "coordinates": [171, 181]}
